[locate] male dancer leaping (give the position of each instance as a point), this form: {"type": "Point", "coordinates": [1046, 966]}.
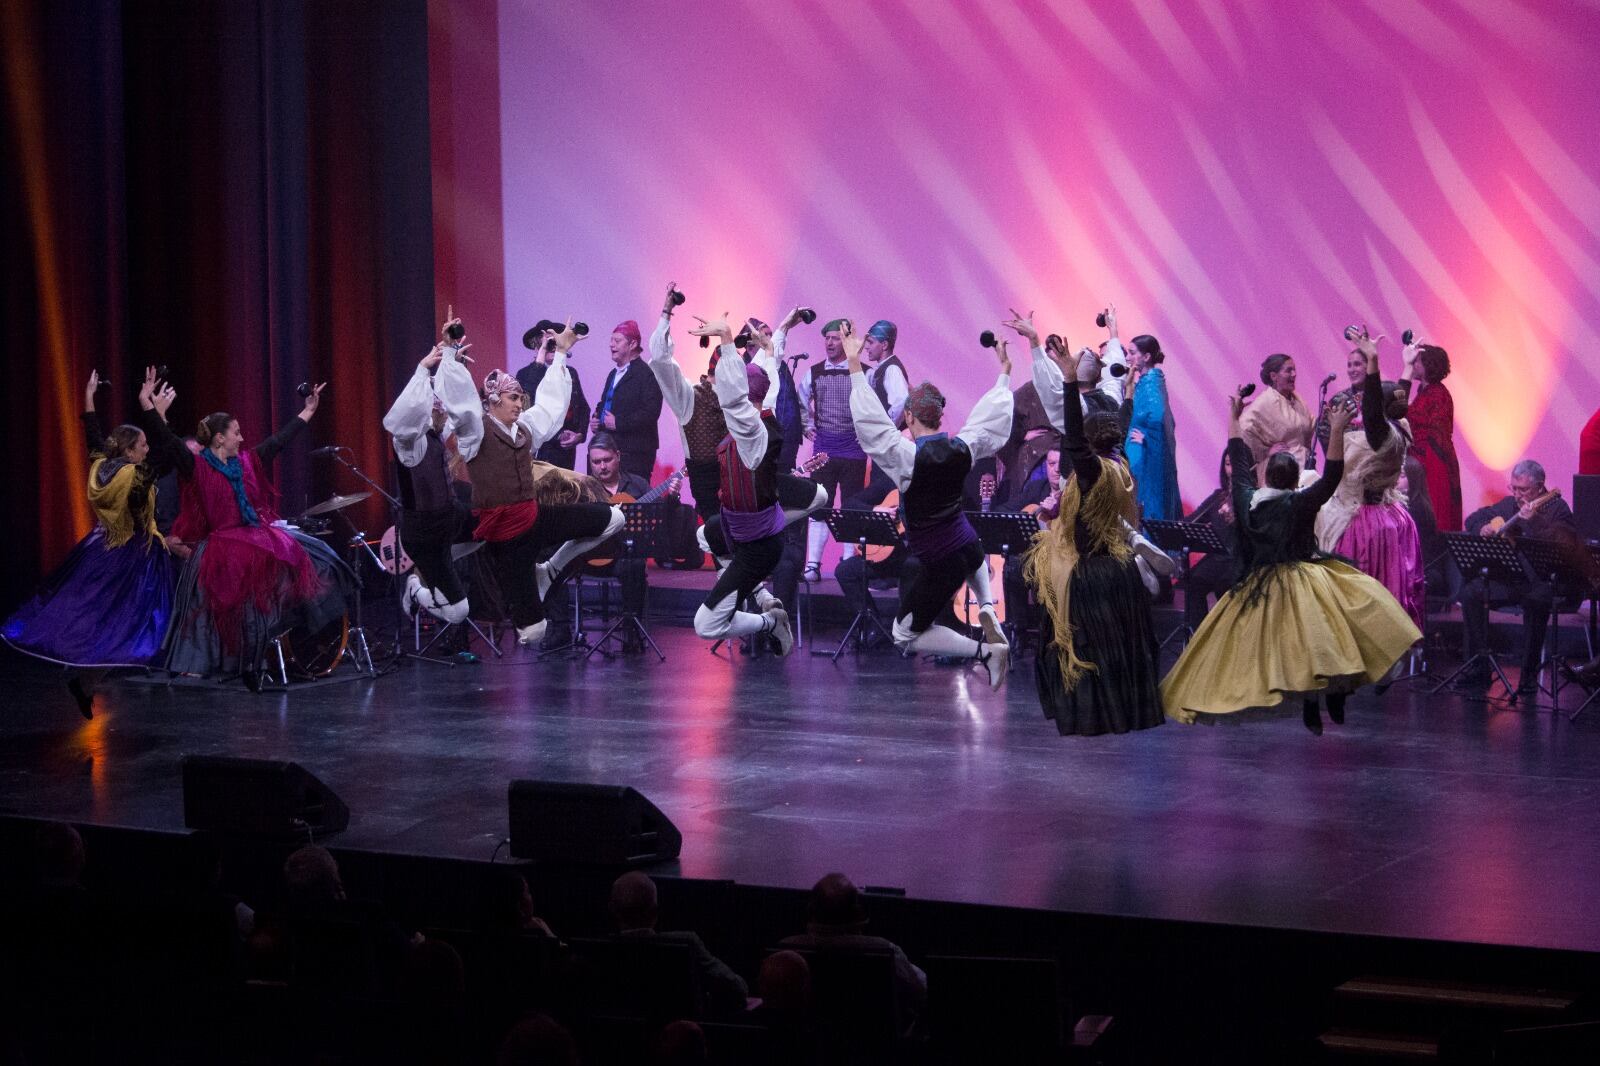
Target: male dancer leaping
{"type": "Point", "coordinates": [747, 493]}
{"type": "Point", "coordinates": [510, 520]}
{"type": "Point", "coordinates": [703, 426]}
{"type": "Point", "coordinates": [439, 401]}
{"type": "Point", "coordinates": [930, 471]}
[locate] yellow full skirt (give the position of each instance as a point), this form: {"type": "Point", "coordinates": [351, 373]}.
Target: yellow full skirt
{"type": "Point", "coordinates": [1320, 626]}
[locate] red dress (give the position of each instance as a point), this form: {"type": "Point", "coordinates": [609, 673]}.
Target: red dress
{"type": "Point", "coordinates": [1433, 424]}
{"type": "Point", "coordinates": [1589, 446]}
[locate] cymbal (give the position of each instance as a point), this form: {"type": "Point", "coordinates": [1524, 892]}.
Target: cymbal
{"type": "Point", "coordinates": [461, 551]}
{"type": "Point", "coordinates": [334, 503]}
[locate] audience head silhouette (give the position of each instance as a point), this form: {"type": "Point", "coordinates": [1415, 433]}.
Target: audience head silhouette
{"type": "Point", "coordinates": [311, 877]}
{"type": "Point", "coordinates": [633, 902]}
{"type": "Point", "coordinates": [836, 903]}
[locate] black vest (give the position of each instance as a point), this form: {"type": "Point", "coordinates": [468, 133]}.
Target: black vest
{"type": "Point", "coordinates": [937, 479]}
{"type": "Point", "coordinates": [878, 374]}
{"type": "Point", "coordinates": [426, 486]}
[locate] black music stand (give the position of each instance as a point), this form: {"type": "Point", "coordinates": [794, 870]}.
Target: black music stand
{"type": "Point", "coordinates": [1005, 533]}
{"type": "Point", "coordinates": [1549, 562]}
{"type": "Point", "coordinates": [861, 528]}
{"type": "Point", "coordinates": [639, 538]}
{"type": "Point", "coordinates": [1183, 537]}
{"type": "Point", "coordinates": [1491, 558]}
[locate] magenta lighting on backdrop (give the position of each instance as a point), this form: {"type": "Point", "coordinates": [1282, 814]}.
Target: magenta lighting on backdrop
{"type": "Point", "coordinates": [1239, 176]}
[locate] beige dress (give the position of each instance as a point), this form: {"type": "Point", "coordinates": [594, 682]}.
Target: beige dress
{"type": "Point", "coordinates": [1276, 423]}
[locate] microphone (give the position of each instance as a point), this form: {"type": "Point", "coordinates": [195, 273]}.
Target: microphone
{"type": "Point", "coordinates": [1327, 381]}
{"type": "Point", "coordinates": [331, 449]}
{"type": "Point", "coordinates": [1118, 369]}
{"type": "Point", "coordinates": [797, 359]}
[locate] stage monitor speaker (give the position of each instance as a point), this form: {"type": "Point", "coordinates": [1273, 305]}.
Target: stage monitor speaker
{"type": "Point", "coordinates": [1586, 505]}
{"type": "Point", "coordinates": [259, 797]}
{"type": "Point", "coordinates": [599, 825]}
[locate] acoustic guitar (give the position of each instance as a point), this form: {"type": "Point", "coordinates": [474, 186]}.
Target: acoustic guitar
{"type": "Point", "coordinates": [1498, 527]}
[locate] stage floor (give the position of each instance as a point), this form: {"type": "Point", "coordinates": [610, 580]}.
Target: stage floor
{"type": "Point", "coordinates": [1423, 817]}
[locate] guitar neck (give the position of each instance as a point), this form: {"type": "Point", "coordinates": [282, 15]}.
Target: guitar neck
{"type": "Point", "coordinates": [660, 490]}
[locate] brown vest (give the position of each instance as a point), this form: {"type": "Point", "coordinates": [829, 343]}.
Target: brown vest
{"type": "Point", "coordinates": [502, 472]}
{"type": "Point", "coordinates": [707, 425]}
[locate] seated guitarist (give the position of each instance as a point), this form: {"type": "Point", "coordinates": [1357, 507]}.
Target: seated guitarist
{"type": "Point", "coordinates": [605, 470]}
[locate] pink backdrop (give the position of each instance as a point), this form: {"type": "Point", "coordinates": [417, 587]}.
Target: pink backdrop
{"type": "Point", "coordinates": [1239, 176]}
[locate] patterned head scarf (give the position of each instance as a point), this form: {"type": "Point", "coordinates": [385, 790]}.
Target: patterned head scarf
{"type": "Point", "coordinates": [629, 329]}
{"type": "Point", "coordinates": [884, 330]}
{"type": "Point", "coordinates": [926, 404]}
{"type": "Point", "coordinates": [497, 386]}
{"type": "Point", "coordinates": [834, 326]}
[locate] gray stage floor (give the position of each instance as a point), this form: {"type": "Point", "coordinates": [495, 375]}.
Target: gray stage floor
{"type": "Point", "coordinates": [1429, 817]}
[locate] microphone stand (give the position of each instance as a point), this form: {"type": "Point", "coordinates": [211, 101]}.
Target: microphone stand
{"type": "Point", "coordinates": [1322, 406]}
{"type": "Point", "coordinates": [359, 537]}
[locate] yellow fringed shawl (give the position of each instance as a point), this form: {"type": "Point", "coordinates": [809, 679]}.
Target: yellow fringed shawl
{"type": "Point", "coordinates": [110, 503]}
{"type": "Point", "coordinates": [1054, 554]}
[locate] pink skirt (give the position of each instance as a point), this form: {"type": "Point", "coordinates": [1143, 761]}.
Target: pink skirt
{"type": "Point", "coordinates": [1382, 541]}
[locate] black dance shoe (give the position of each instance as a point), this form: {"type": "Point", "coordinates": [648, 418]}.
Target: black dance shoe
{"type": "Point", "coordinates": [1335, 703]}
{"type": "Point", "coordinates": [1311, 715]}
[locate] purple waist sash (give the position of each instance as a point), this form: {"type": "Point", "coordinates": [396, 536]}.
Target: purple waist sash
{"type": "Point", "coordinates": [932, 543]}
{"type": "Point", "coordinates": [745, 526]}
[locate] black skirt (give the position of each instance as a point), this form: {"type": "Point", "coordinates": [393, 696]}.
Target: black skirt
{"type": "Point", "coordinates": [1112, 629]}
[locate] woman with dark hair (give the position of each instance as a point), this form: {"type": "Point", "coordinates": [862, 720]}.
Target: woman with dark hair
{"type": "Point", "coordinates": [1152, 446]}
{"type": "Point", "coordinates": [1097, 668]}
{"type": "Point", "coordinates": [1299, 623]}
{"type": "Point", "coordinates": [109, 603]}
{"type": "Point", "coordinates": [1278, 422]}
{"type": "Point", "coordinates": [1214, 574]}
{"type": "Point", "coordinates": [250, 578]}
{"type": "Point", "coordinates": [1366, 521]}
{"type": "Point", "coordinates": [1433, 425]}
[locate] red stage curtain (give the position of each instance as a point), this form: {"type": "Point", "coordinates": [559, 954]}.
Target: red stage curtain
{"type": "Point", "coordinates": [238, 189]}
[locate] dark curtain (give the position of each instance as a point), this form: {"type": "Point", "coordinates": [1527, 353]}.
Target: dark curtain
{"type": "Point", "coordinates": [236, 189]}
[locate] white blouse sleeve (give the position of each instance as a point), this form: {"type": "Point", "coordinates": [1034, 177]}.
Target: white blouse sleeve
{"type": "Point", "coordinates": [1051, 386]}
{"type": "Point", "coordinates": [733, 394]}
{"type": "Point", "coordinates": [676, 389]}
{"type": "Point", "coordinates": [453, 385]}
{"type": "Point", "coordinates": [408, 420]}
{"type": "Point", "coordinates": [550, 403]}
{"type": "Point", "coordinates": [989, 425]}
{"type": "Point", "coordinates": [889, 449]}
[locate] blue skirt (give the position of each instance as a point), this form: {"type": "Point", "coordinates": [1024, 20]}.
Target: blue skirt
{"type": "Point", "coordinates": [102, 607]}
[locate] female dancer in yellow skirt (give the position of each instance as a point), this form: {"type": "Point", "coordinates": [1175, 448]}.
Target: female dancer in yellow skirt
{"type": "Point", "coordinates": [1299, 623]}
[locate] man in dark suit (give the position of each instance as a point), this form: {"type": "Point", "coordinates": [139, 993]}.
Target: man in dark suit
{"type": "Point", "coordinates": [630, 403]}
{"type": "Point", "coordinates": [1550, 520]}
{"type": "Point", "coordinates": [634, 909]}
{"type": "Point", "coordinates": [562, 449]}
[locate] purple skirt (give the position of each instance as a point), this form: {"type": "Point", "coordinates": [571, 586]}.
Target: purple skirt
{"type": "Point", "coordinates": [1382, 541]}
{"type": "Point", "coordinates": [102, 607]}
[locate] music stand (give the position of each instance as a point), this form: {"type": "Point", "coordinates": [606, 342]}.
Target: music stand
{"type": "Point", "coordinates": [1490, 558]}
{"type": "Point", "coordinates": [457, 553]}
{"type": "Point", "coordinates": [861, 528]}
{"type": "Point", "coordinates": [639, 538]}
{"type": "Point", "coordinates": [1005, 533]}
{"type": "Point", "coordinates": [1184, 537]}
{"type": "Point", "coordinates": [1549, 562]}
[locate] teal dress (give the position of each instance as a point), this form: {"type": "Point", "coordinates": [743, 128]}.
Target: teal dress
{"type": "Point", "coordinates": [1154, 462]}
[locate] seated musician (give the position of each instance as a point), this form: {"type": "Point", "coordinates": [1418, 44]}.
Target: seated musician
{"type": "Point", "coordinates": [1041, 497]}
{"type": "Point", "coordinates": [607, 481]}
{"type": "Point", "coordinates": [1530, 511]}
{"type": "Point", "coordinates": [1214, 574]}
